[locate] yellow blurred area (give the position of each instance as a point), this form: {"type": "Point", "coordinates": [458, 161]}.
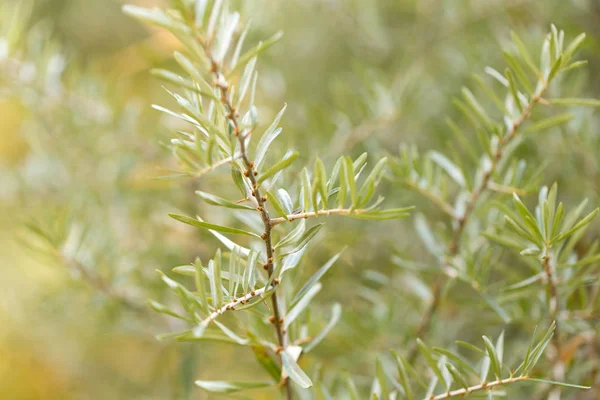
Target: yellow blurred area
{"type": "Point", "coordinates": [12, 146]}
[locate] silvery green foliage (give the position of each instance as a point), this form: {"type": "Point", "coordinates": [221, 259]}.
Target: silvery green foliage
{"type": "Point", "coordinates": [474, 201]}
{"type": "Point", "coordinates": [217, 100]}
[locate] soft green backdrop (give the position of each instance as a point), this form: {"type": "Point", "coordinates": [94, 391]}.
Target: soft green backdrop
{"type": "Point", "coordinates": [79, 145]}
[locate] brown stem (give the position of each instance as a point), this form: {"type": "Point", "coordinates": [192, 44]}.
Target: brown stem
{"type": "Point", "coordinates": [251, 173]}
{"type": "Point", "coordinates": [482, 386]}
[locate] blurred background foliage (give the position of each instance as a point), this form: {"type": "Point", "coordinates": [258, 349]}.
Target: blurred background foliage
{"type": "Point", "coordinates": [80, 146]}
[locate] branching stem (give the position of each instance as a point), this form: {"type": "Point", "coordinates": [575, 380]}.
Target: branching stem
{"type": "Point", "coordinates": [482, 386]}
{"type": "Point", "coordinates": [461, 221]}
{"type": "Point", "coordinates": [223, 86]}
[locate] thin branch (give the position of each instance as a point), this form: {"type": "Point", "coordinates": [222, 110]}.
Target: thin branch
{"type": "Point", "coordinates": [310, 214]}
{"type": "Point", "coordinates": [481, 386]}
{"type": "Point", "coordinates": [100, 284]}
{"type": "Point", "coordinates": [223, 86]}
{"type": "Point", "coordinates": [461, 221]}
{"type": "Point", "coordinates": [232, 304]}
{"type": "Point", "coordinates": [216, 165]}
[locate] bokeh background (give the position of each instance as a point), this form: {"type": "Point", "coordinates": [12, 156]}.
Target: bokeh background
{"type": "Point", "coordinates": [79, 146]}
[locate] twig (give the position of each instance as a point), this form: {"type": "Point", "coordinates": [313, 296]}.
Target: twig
{"type": "Point", "coordinates": [223, 86]}
{"type": "Point", "coordinates": [481, 386]}
{"type": "Point", "coordinates": [100, 284]}
{"type": "Point", "coordinates": [333, 211]}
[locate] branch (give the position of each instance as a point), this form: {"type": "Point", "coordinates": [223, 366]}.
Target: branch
{"type": "Point", "coordinates": [100, 284]}
{"type": "Point", "coordinates": [216, 165]}
{"type": "Point", "coordinates": [333, 211]}
{"type": "Point", "coordinates": [481, 386]}
{"type": "Point", "coordinates": [461, 221]}
{"type": "Point", "coordinates": [223, 86]}
{"type": "Point", "coordinates": [231, 305]}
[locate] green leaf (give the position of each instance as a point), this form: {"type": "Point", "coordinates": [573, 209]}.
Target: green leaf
{"type": "Point", "coordinates": [549, 122]}
{"type": "Point", "coordinates": [265, 141]}
{"type": "Point", "coordinates": [368, 188]}
{"type": "Point", "coordinates": [293, 236]}
{"type": "Point", "coordinates": [525, 54]}
{"type": "Point", "coordinates": [285, 200]}
{"type": "Point", "coordinates": [538, 350]}
{"type": "Point", "coordinates": [584, 222]}
{"type": "Point", "coordinates": [279, 166]}
{"type": "Point", "coordinates": [575, 102]}
{"type": "Point", "coordinates": [292, 369]}
{"type": "Point", "coordinates": [321, 182]}
{"type": "Point", "coordinates": [451, 169]}
{"type": "Point", "coordinates": [206, 225]}
{"type": "Point", "coordinates": [349, 173]}
{"type": "Point", "coordinates": [341, 199]}
{"type": "Point", "coordinates": [457, 375]}
{"type": "Point", "coordinates": [495, 361]}
{"type": "Point", "coordinates": [215, 272]}
{"type": "Point", "coordinates": [301, 305]}
{"type": "Point", "coordinates": [258, 49]}
{"type": "Point", "coordinates": [574, 46]}
{"type": "Point", "coordinates": [277, 205]}
{"type": "Point", "coordinates": [317, 276]}
{"type": "Point", "coordinates": [403, 376]}
{"type": "Point", "coordinates": [230, 386]}
{"type": "Point", "coordinates": [382, 379]}
{"type": "Point", "coordinates": [218, 201]}
{"type": "Point", "coordinates": [569, 385]}
{"type": "Point", "coordinates": [267, 362]}
{"type": "Point", "coordinates": [304, 240]}
{"type": "Point", "coordinates": [456, 358]}
{"type": "Point", "coordinates": [430, 360]}
{"type": "Point", "coordinates": [512, 85]}
{"type": "Point", "coordinates": [336, 313]}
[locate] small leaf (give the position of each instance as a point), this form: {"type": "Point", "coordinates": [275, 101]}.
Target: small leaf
{"type": "Point", "coordinates": [336, 313]}
{"type": "Point", "coordinates": [277, 205]}
{"type": "Point", "coordinates": [431, 361]}
{"type": "Point", "coordinates": [230, 386]}
{"type": "Point", "coordinates": [304, 240]}
{"type": "Point", "coordinates": [564, 384]}
{"type": "Point", "coordinates": [267, 362]}
{"type": "Point", "coordinates": [279, 166]}
{"type": "Point", "coordinates": [316, 277]}
{"type": "Point", "coordinates": [218, 201]}
{"type": "Point", "coordinates": [549, 122]}
{"type": "Point", "coordinates": [584, 222]}
{"type": "Point", "coordinates": [451, 169]}
{"type": "Point", "coordinates": [301, 305]}
{"type": "Point", "coordinates": [286, 200]}
{"type": "Point", "coordinates": [575, 102]}
{"type": "Point", "coordinates": [403, 376]}
{"type": "Point", "coordinates": [349, 174]}
{"type": "Point", "coordinates": [292, 370]}
{"type": "Point", "coordinates": [292, 237]}
{"type": "Point", "coordinates": [495, 362]}
{"type": "Point", "coordinates": [206, 225]}
{"type": "Point", "coordinates": [265, 141]}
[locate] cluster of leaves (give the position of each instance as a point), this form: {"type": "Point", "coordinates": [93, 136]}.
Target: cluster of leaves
{"type": "Point", "coordinates": [215, 91]}
{"type": "Point", "coordinates": [466, 199]}
{"type": "Point", "coordinates": [212, 105]}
